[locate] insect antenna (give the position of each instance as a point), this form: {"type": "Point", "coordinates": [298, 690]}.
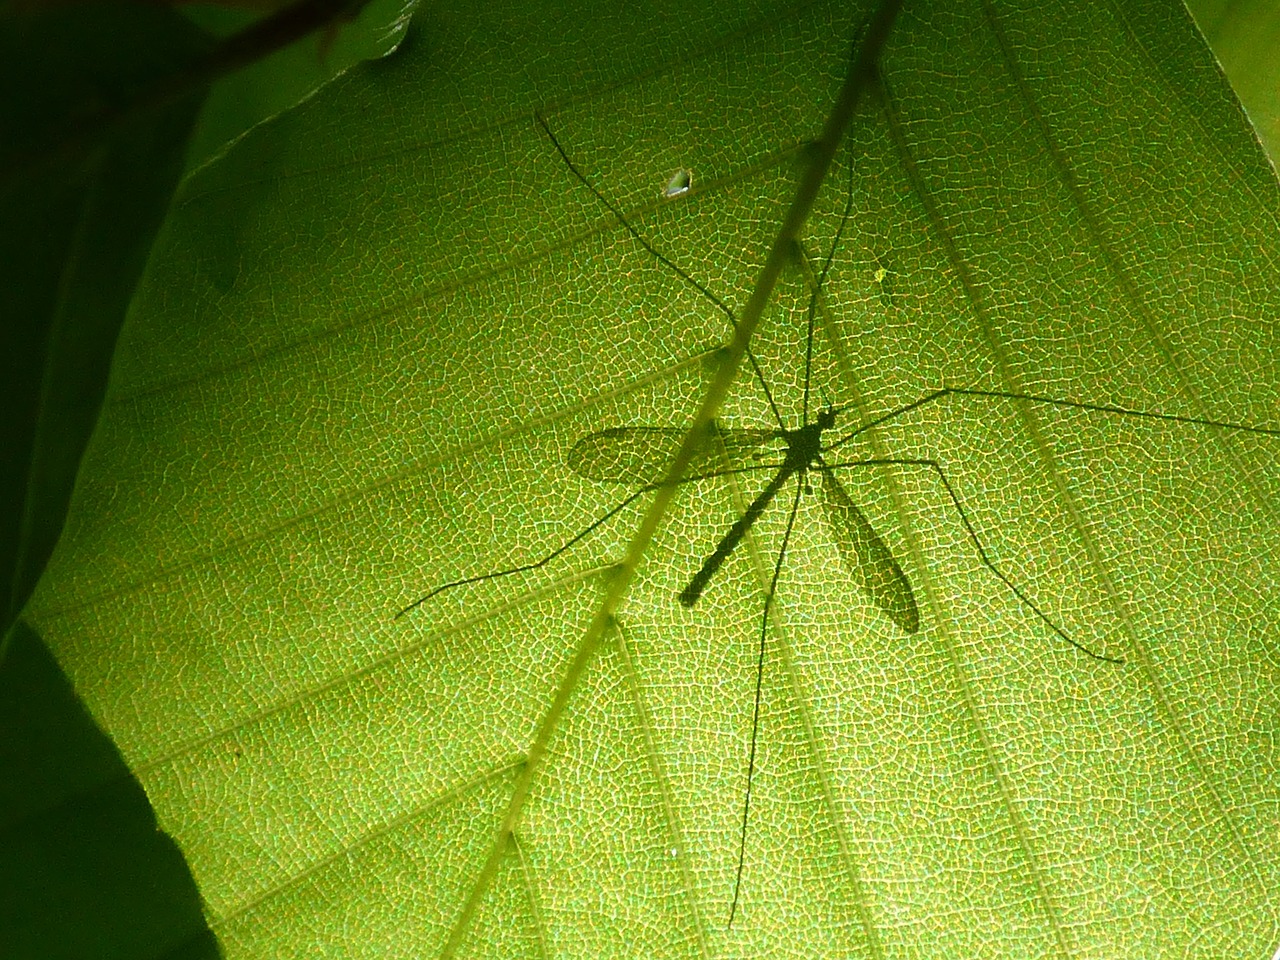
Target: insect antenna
{"type": "Point", "coordinates": [661, 258]}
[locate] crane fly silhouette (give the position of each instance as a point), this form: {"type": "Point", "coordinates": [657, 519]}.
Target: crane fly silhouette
{"type": "Point", "coordinates": [622, 454]}
{"type": "Point", "coordinates": [642, 455]}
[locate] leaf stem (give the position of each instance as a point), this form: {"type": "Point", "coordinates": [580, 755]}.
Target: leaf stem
{"type": "Point", "coordinates": [861, 73]}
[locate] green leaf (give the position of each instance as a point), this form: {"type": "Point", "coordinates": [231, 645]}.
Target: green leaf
{"type": "Point", "coordinates": [376, 328]}
{"type": "Point", "coordinates": [275, 83]}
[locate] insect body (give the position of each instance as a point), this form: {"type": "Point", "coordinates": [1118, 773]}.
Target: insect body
{"type": "Point", "coordinates": [627, 453]}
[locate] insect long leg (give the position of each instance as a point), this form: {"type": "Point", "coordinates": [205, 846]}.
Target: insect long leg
{"type": "Point", "coordinates": [578, 537]}
{"type": "Point", "coordinates": [1108, 408]}
{"type": "Point", "coordinates": [535, 565]}
{"type": "Point", "coordinates": [755, 714]}
{"type": "Point", "coordinates": [977, 542]}
{"type": "Point", "coordinates": [948, 392]}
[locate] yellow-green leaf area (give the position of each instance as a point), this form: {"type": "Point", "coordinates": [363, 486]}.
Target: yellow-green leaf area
{"type": "Point", "coordinates": [374, 330]}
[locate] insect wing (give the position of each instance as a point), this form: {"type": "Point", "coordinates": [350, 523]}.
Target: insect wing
{"type": "Point", "coordinates": [870, 561]}
{"type": "Point", "coordinates": [644, 454]}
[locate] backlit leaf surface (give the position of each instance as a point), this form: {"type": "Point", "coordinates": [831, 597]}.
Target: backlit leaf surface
{"type": "Point", "coordinates": [375, 329]}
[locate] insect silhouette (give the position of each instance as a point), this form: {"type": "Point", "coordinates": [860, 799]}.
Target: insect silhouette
{"type": "Point", "coordinates": [640, 455]}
